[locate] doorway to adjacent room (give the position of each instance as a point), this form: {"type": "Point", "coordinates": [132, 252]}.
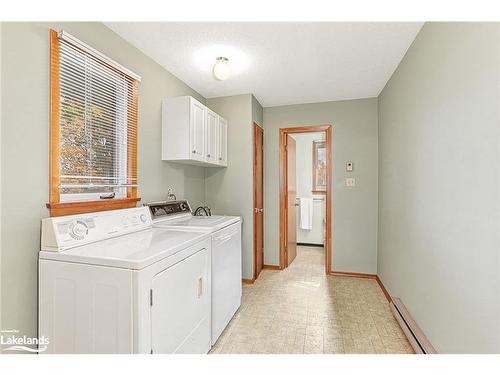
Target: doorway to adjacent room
{"type": "Point", "coordinates": [305, 191]}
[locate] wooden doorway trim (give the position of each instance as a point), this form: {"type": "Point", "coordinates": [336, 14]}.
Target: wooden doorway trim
{"type": "Point", "coordinates": [327, 129]}
{"type": "Point", "coordinates": [258, 201]}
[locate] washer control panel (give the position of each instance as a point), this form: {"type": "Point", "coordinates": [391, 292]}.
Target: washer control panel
{"type": "Point", "coordinates": [78, 229]}
{"type": "Point", "coordinates": [162, 210]}
{"type": "Point", "coordinates": [64, 232]}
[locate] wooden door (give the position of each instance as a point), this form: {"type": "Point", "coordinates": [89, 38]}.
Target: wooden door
{"type": "Point", "coordinates": [291, 197]}
{"type": "Point", "coordinates": [258, 199]}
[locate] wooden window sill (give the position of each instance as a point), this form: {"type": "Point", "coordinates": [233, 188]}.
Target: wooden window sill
{"type": "Point", "coordinates": [81, 207]}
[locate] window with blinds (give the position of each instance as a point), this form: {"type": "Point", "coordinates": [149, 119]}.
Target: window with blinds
{"type": "Point", "coordinates": [93, 129]}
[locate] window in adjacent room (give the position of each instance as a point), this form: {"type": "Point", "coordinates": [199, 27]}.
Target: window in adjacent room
{"type": "Point", "coordinates": [319, 167]}
{"type": "Point", "coordinates": [93, 129]}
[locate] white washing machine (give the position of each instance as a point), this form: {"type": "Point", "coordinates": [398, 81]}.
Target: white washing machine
{"type": "Point", "coordinates": [225, 232]}
{"type": "Point", "coordinates": [110, 283]}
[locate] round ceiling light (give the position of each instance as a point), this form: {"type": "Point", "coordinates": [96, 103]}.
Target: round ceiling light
{"type": "Point", "coordinates": [222, 70]}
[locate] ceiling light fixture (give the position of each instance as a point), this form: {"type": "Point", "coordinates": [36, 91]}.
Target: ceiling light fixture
{"type": "Point", "coordinates": [222, 70]}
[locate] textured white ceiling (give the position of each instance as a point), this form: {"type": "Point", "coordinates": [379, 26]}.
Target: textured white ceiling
{"type": "Point", "coordinates": [280, 63]}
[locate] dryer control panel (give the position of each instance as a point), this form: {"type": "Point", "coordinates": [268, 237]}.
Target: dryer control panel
{"type": "Point", "coordinates": [65, 232]}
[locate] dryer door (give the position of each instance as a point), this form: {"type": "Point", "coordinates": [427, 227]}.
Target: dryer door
{"type": "Point", "coordinates": [181, 307]}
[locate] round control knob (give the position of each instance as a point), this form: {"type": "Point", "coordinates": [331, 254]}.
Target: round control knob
{"type": "Point", "coordinates": [78, 230]}
{"type": "Point", "coordinates": [144, 218]}
{"type": "Point", "coordinates": [183, 206]}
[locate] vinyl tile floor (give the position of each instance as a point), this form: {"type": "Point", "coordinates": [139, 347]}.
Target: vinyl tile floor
{"type": "Point", "coordinates": [300, 310]}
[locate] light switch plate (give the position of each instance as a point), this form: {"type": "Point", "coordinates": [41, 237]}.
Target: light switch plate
{"type": "Point", "coordinates": [350, 182]}
{"type": "Point", "coordinates": [349, 166]}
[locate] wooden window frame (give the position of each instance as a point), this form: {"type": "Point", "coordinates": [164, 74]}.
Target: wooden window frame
{"type": "Point", "coordinates": [55, 206]}
{"type": "Point", "coordinates": [315, 147]}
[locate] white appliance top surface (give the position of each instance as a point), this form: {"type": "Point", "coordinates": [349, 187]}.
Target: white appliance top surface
{"type": "Point", "coordinates": [132, 251]}
{"type": "Point", "coordinates": [197, 223]}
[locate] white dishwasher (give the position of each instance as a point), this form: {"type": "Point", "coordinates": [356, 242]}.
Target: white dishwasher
{"type": "Point", "coordinates": [226, 270]}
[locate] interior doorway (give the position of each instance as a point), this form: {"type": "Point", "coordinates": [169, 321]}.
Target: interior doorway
{"type": "Point", "coordinates": [258, 199]}
{"type": "Point", "coordinates": [295, 199]}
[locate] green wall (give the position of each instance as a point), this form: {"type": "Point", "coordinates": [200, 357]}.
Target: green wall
{"type": "Point", "coordinates": [257, 112]}
{"type": "Point", "coordinates": [230, 190]}
{"type": "Point", "coordinates": [24, 150]}
{"type": "Point", "coordinates": [438, 239]}
{"type": "Point", "coordinates": [354, 210]}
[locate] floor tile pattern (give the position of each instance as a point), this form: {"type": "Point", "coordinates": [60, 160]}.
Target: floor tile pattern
{"type": "Point", "coordinates": [301, 310]}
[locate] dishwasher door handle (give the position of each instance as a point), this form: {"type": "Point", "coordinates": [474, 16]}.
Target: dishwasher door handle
{"type": "Point", "coordinates": [224, 238]}
{"type": "Point", "coordinates": [200, 287]}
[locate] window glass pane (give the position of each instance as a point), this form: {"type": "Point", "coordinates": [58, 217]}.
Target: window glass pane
{"type": "Point", "coordinates": [93, 126]}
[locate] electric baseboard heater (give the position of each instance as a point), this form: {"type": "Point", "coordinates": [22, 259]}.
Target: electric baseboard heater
{"type": "Point", "coordinates": [412, 331]}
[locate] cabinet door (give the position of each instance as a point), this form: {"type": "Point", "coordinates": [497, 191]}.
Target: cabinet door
{"type": "Point", "coordinates": [197, 130]}
{"type": "Point", "coordinates": [212, 136]}
{"type": "Point", "coordinates": [180, 310]}
{"type": "Point", "coordinates": [222, 147]}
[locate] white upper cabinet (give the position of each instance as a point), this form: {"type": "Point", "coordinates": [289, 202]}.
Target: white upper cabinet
{"type": "Point", "coordinates": [212, 136]}
{"type": "Point", "coordinates": [222, 150]}
{"type": "Point", "coordinates": [191, 133]}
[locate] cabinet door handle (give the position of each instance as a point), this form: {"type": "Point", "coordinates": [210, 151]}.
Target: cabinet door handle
{"type": "Point", "coordinates": [194, 151]}
{"type": "Point", "coordinates": [200, 287]}
{"type": "Point", "coordinates": [208, 155]}
{"type": "Point", "coordinates": [220, 158]}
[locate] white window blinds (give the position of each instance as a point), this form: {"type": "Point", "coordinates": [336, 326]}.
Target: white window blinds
{"type": "Point", "coordinates": [97, 121]}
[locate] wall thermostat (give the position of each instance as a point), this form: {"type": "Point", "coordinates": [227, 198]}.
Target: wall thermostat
{"type": "Point", "coordinates": [349, 166]}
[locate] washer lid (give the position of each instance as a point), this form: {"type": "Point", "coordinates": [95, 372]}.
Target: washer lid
{"type": "Point", "coordinates": [133, 251]}
{"type": "Point", "coordinates": [198, 223]}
